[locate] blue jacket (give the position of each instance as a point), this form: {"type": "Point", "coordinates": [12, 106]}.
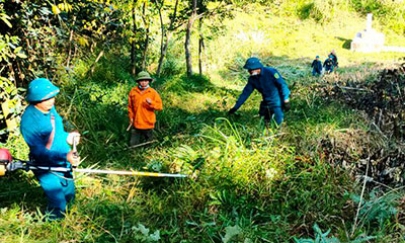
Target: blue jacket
{"type": "Point", "coordinates": [317, 66]}
{"type": "Point", "coordinates": [36, 128]}
{"type": "Point", "coordinates": [271, 86]}
{"type": "Point", "coordinates": [328, 63]}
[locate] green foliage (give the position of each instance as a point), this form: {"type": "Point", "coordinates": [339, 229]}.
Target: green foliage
{"type": "Point", "coordinates": [377, 208]}
{"type": "Point", "coordinates": [319, 237]}
{"type": "Point", "coordinates": [11, 107]}
{"type": "Point", "coordinates": [172, 67]}
{"type": "Point", "coordinates": [188, 84]}
{"type": "Point", "coordinates": [144, 235]}
{"type": "Point", "coordinates": [391, 14]}
{"type": "Point", "coordinates": [321, 11]}
{"type": "Point", "coordinates": [322, 237]}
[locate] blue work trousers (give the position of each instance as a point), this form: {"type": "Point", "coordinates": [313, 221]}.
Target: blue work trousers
{"type": "Point", "coordinates": [316, 72]}
{"type": "Point", "coordinates": [59, 189]}
{"type": "Point", "coordinates": [267, 113]}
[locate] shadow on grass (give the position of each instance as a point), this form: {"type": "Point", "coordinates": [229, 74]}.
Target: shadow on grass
{"type": "Point", "coordinates": [20, 188]}
{"type": "Point", "coordinates": [346, 42]}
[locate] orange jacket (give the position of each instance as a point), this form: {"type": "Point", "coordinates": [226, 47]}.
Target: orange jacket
{"type": "Point", "coordinates": [142, 113]}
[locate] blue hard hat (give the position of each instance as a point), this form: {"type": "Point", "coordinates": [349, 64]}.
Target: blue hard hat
{"type": "Point", "coordinates": [41, 89]}
{"type": "Point", "coordinates": [253, 63]}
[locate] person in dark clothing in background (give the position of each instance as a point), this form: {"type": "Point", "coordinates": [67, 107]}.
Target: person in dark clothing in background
{"type": "Point", "coordinates": [272, 87]}
{"type": "Point", "coordinates": [328, 64]}
{"type": "Point", "coordinates": [334, 58]}
{"type": "Point", "coordinates": [316, 67]}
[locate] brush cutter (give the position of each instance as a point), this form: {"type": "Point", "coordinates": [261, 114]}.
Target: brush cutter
{"type": "Point", "coordinates": [8, 164]}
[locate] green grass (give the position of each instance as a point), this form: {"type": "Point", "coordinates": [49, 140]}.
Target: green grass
{"type": "Point", "coordinates": [246, 183]}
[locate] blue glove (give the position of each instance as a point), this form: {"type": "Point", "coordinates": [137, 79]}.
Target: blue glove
{"type": "Point", "coordinates": [232, 111]}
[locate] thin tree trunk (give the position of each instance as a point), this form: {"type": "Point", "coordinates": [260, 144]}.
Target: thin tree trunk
{"type": "Point", "coordinates": [163, 46]}
{"type": "Point", "coordinates": [133, 49]}
{"type": "Point", "coordinates": [145, 50]}
{"type": "Point", "coordinates": [70, 44]}
{"type": "Point", "coordinates": [166, 36]}
{"type": "Point", "coordinates": [201, 48]}
{"type": "Point", "coordinates": [187, 42]}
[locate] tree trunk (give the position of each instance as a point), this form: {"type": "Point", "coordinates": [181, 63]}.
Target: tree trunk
{"type": "Point", "coordinates": [163, 46]}
{"type": "Point", "coordinates": [145, 50]}
{"type": "Point", "coordinates": [166, 36]}
{"type": "Point", "coordinates": [133, 55]}
{"type": "Point", "coordinates": [187, 42]}
{"type": "Point", "coordinates": [201, 48]}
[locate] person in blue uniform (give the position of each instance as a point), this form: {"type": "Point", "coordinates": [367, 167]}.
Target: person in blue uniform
{"type": "Point", "coordinates": [271, 85]}
{"type": "Point", "coordinates": [316, 67]}
{"type": "Point", "coordinates": [328, 64]}
{"type": "Point", "coordinates": [334, 58]}
{"type": "Point", "coordinates": [43, 131]}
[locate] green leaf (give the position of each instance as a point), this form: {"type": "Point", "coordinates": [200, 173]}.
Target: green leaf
{"type": "Point", "coordinates": [17, 50]}
{"type": "Point", "coordinates": [5, 20]}
{"type": "Point", "coordinates": [22, 55]}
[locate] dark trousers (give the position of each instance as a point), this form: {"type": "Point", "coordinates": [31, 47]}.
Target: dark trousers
{"type": "Point", "coordinates": [139, 136]}
{"type": "Point", "coordinates": [267, 113]}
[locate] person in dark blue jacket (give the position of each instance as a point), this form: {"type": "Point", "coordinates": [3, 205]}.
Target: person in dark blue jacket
{"type": "Point", "coordinates": [43, 131]}
{"type": "Point", "coordinates": [328, 64]}
{"type": "Point", "coordinates": [271, 85]}
{"type": "Point", "coordinates": [334, 58]}
{"type": "Point", "coordinates": [316, 67]}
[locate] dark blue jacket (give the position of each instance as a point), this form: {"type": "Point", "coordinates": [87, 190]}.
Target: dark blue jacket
{"type": "Point", "coordinates": [328, 63]}
{"type": "Point", "coordinates": [317, 66]}
{"type": "Point", "coordinates": [36, 128]}
{"type": "Point", "coordinates": [270, 85]}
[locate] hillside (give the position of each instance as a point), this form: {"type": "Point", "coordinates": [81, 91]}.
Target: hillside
{"type": "Point", "coordinates": [246, 182]}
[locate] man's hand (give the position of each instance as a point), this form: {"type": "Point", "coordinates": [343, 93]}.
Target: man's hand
{"type": "Point", "coordinates": [149, 101]}
{"type": "Point", "coordinates": [232, 111]}
{"type": "Point", "coordinates": [286, 106]}
{"type": "Point", "coordinates": [131, 121]}
{"type": "Point", "coordinates": [73, 158]}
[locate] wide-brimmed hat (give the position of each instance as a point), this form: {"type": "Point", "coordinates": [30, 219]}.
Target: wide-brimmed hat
{"type": "Point", "coordinates": [143, 75]}
{"type": "Point", "coordinates": [41, 89]}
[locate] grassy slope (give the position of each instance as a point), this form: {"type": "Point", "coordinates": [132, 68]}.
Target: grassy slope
{"type": "Point", "coordinates": [226, 195]}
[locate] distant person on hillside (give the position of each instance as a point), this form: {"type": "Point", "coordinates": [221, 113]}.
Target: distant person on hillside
{"type": "Point", "coordinates": [272, 87]}
{"type": "Point", "coordinates": [334, 58]}
{"type": "Point", "coordinates": [328, 64]}
{"type": "Point", "coordinates": [143, 101]}
{"type": "Point", "coordinates": [316, 67]}
{"type": "Point", "coordinates": [43, 131]}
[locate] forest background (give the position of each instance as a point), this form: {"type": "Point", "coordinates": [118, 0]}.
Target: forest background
{"type": "Point", "coordinates": [246, 182]}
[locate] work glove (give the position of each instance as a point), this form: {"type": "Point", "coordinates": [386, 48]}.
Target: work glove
{"type": "Point", "coordinates": [73, 137]}
{"type": "Point", "coordinates": [232, 111]}
{"type": "Point", "coordinates": [286, 106]}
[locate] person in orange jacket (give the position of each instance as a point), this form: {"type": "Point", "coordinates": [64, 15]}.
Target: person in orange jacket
{"type": "Point", "coordinates": [143, 101]}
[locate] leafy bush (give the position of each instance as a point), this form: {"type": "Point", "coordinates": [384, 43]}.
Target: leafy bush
{"type": "Point", "coordinates": [322, 237]}
{"type": "Point", "coordinates": [377, 208]}
{"type": "Point", "coordinates": [391, 14]}
{"type": "Point", "coordinates": [321, 11]}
